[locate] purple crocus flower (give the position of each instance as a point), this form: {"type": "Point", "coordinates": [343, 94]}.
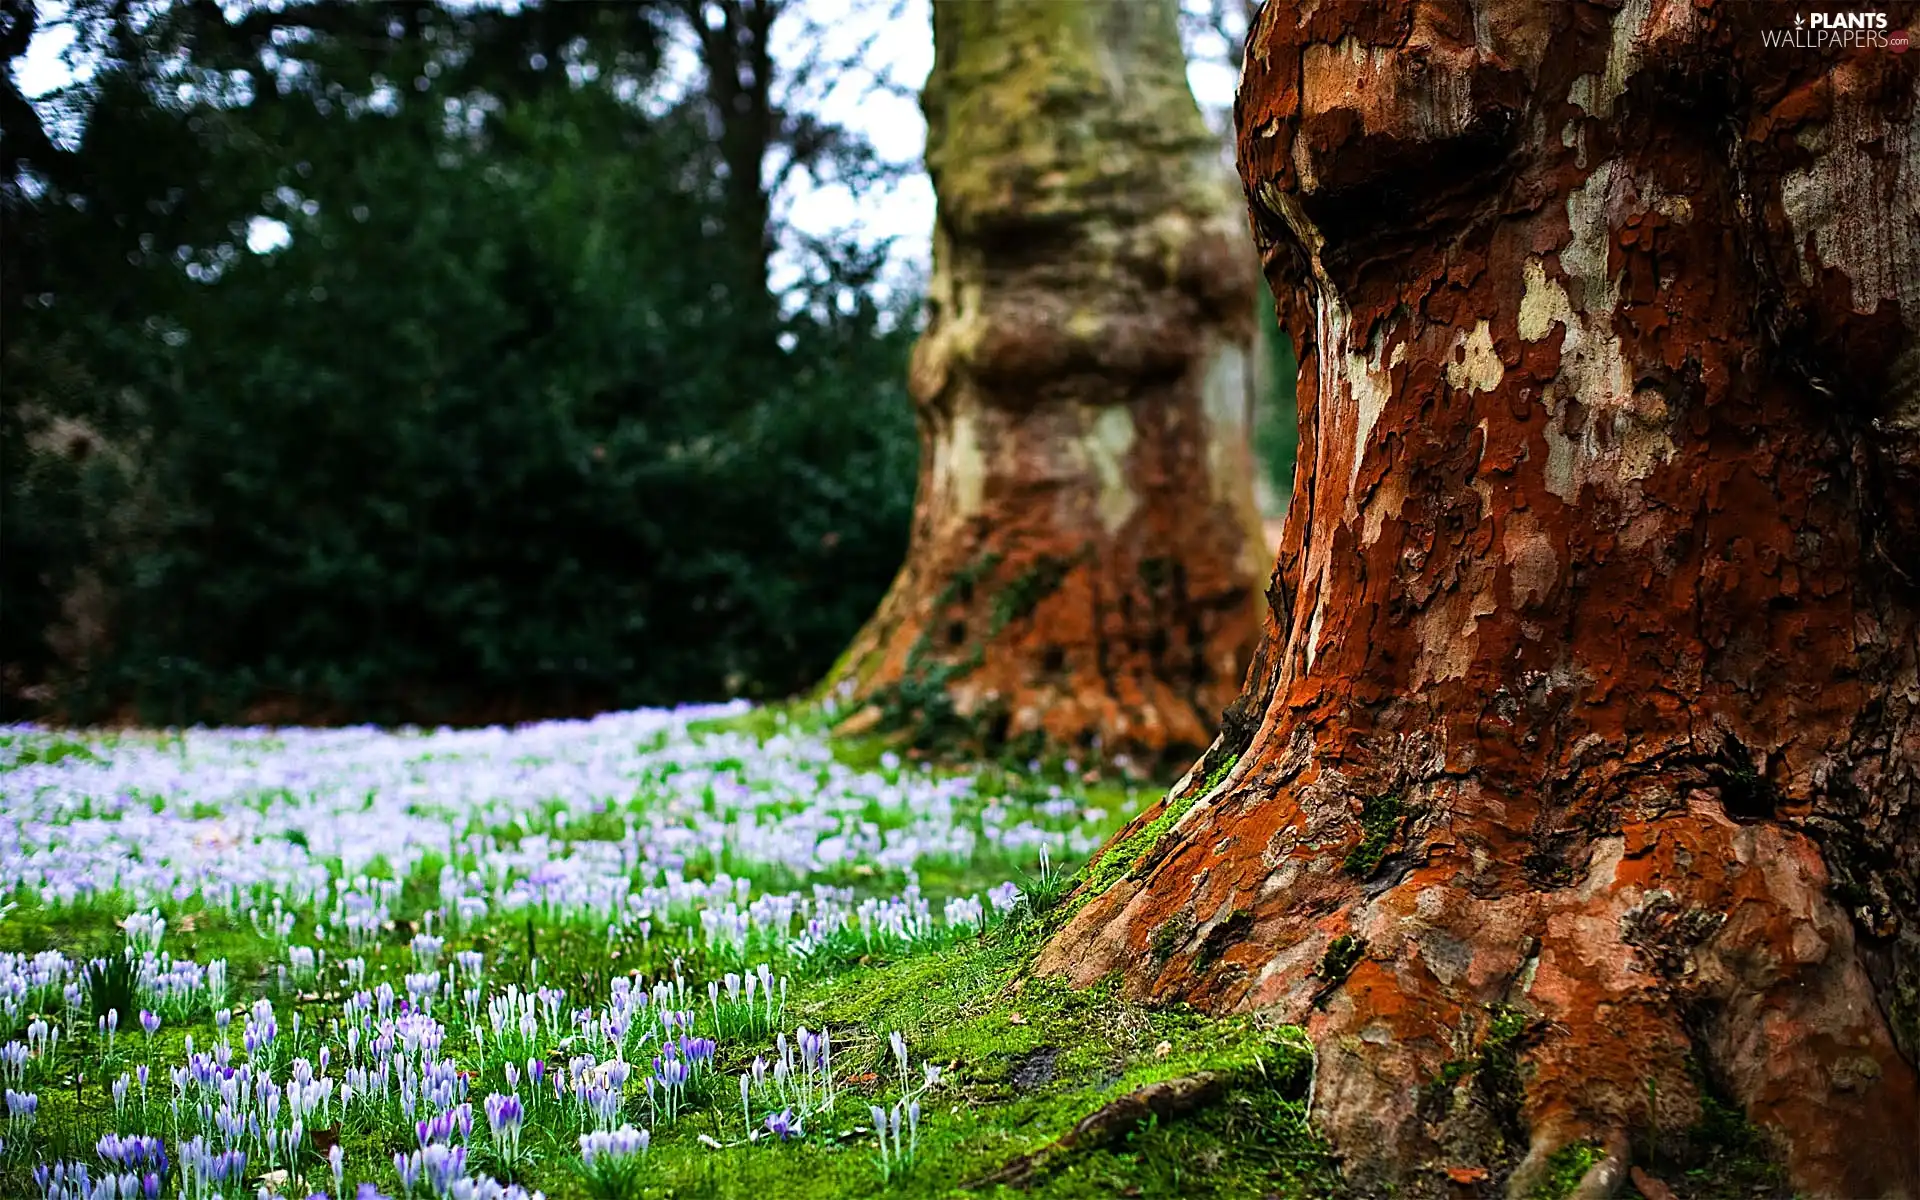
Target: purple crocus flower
{"type": "Point", "coordinates": [407, 1167]}
{"type": "Point", "coordinates": [784, 1125]}
{"type": "Point", "coordinates": [504, 1113]}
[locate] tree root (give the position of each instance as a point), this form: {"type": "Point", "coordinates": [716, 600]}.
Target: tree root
{"type": "Point", "coordinates": [1108, 1124]}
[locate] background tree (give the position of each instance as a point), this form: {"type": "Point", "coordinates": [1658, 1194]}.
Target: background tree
{"type": "Point", "coordinates": [481, 439]}
{"type": "Point", "coordinates": [1215, 35]}
{"type": "Point", "coordinates": [1085, 559]}
{"type": "Point", "coordinates": [1574, 799]}
{"type": "Point", "coordinates": [760, 110]}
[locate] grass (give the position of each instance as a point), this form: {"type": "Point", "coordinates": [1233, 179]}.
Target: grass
{"type": "Point", "coordinates": [25, 750]}
{"type": "Point", "coordinates": [1022, 1060]}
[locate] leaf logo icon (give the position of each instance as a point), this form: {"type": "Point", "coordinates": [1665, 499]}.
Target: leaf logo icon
{"type": "Point", "coordinates": [1799, 21]}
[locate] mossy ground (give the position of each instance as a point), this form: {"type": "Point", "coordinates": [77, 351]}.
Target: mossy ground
{"type": "Point", "coordinates": [1024, 1061]}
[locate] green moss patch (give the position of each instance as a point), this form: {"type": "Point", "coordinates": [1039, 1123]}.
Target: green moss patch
{"type": "Point", "coordinates": [1721, 1156]}
{"type": "Point", "coordinates": [1380, 821]}
{"type": "Point", "coordinates": [1121, 858]}
{"type": "Point", "coordinates": [1023, 594]}
{"type": "Point", "coordinates": [1343, 954]}
{"type": "Point", "coordinates": [972, 1010]}
{"type": "Point", "coordinates": [1565, 1169]}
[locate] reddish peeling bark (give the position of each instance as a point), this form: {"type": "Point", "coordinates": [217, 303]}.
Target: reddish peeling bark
{"type": "Point", "coordinates": [1085, 566]}
{"type": "Point", "coordinates": [1583, 733]}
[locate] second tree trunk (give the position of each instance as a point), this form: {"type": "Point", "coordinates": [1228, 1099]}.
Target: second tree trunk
{"type": "Point", "coordinates": [1085, 568]}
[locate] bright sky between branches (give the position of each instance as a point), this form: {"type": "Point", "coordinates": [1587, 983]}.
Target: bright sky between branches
{"type": "Point", "coordinates": [892, 41]}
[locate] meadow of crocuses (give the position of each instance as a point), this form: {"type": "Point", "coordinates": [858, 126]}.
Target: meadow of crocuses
{"type": "Point", "coordinates": [480, 963]}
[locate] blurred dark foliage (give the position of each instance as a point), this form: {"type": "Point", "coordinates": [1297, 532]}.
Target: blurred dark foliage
{"type": "Point", "coordinates": [509, 427]}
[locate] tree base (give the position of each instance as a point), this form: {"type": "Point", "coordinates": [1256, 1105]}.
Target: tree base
{"type": "Point", "coordinates": [1476, 1014]}
{"type": "Point", "coordinates": [1090, 652]}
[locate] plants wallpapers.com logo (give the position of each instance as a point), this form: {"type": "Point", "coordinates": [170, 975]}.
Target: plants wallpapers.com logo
{"type": "Point", "coordinates": [1838, 31]}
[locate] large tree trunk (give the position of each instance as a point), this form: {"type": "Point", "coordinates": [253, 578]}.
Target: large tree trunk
{"type": "Point", "coordinates": [1577, 780]}
{"type": "Point", "coordinates": [1085, 564]}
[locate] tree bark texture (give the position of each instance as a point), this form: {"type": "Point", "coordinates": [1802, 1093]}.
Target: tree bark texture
{"type": "Point", "coordinates": [1085, 565]}
{"type": "Point", "coordinates": [1576, 783]}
